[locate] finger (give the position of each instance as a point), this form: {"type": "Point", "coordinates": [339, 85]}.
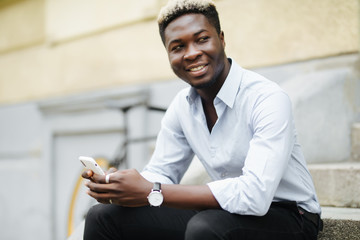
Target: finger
{"type": "Point", "coordinates": [87, 174]}
{"type": "Point", "coordinates": [100, 200]}
{"type": "Point", "coordinates": [100, 187]}
{"type": "Point", "coordinates": [99, 178]}
{"type": "Point", "coordinates": [104, 202]}
{"type": "Point", "coordinates": [111, 170]}
{"type": "Point", "coordinates": [102, 197]}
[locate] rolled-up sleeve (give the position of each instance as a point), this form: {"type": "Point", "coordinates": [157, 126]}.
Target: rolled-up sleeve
{"type": "Point", "coordinates": [269, 151]}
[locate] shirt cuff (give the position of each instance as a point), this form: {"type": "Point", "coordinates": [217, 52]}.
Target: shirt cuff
{"type": "Point", "coordinates": [220, 189]}
{"type": "Point", "coordinates": [154, 177]}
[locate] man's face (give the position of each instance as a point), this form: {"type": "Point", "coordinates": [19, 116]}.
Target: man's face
{"type": "Point", "coordinates": [195, 50]}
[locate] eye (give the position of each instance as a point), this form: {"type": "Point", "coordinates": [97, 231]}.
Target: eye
{"type": "Point", "coordinates": [177, 48]}
{"type": "Point", "coordinates": [203, 39]}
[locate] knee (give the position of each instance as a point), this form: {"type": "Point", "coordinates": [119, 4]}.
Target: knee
{"type": "Point", "coordinates": [97, 222]}
{"type": "Point", "coordinates": [95, 212]}
{"type": "Point", "coordinates": [201, 227]}
{"type": "Point", "coordinates": [99, 214]}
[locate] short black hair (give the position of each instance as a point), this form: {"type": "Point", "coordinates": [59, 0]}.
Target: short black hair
{"type": "Point", "coordinates": [177, 8]}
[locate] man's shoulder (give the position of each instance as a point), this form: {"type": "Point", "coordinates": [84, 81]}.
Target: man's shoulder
{"type": "Point", "coordinates": [256, 88]}
{"type": "Point", "coordinates": [251, 80]}
{"type": "Point", "coordinates": [258, 84]}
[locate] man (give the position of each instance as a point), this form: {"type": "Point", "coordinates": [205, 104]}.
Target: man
{"type": "Point", "coordinates": [239, 125]}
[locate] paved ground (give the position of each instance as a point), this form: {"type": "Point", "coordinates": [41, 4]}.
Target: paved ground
{"type": "Point", "coordinates": [340, 230]}
{"type": "Point", "coordinates": [340, 224]}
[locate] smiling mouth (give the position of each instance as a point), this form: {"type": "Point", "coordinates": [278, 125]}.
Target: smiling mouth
{"type": "Point", "coordinates": [198, 68]}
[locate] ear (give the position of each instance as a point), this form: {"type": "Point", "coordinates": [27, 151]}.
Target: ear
{"type": "Point", "coordinates": [222, 38]}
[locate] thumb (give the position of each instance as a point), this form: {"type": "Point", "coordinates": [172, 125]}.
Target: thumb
{"type": "Point", "coordinates": [87, 174]}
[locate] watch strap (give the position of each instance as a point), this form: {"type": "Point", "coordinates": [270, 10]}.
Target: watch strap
{"type": "Point", "coordinates": [157, 187]}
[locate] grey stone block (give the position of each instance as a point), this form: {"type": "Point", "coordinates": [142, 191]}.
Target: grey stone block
{"type": "Point", "coordinates": [337, 184]}
{"type": "Point", "coordinates": [355, 142]}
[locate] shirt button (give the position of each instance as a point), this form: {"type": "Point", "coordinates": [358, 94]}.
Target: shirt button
{"type": "Point", "coordinates": [212, 152]}
{"type": "Point", "coordinates": [224, 174]}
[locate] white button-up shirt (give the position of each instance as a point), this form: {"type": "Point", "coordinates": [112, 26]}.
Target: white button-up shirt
{"type": "Point", "coordinates": [251, 154]}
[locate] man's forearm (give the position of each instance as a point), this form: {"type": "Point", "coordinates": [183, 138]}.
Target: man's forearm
{"type": "Point", "coordinates": [188, 196]}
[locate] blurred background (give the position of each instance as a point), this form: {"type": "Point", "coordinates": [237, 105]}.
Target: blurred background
{"type": "Point", "coordinates": [91, 77]}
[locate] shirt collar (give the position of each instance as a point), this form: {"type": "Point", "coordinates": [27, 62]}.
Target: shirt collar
{"type": "Point", "coordinates": [228, 91]}
{"type": "Point", "coordinates": [191, 96]}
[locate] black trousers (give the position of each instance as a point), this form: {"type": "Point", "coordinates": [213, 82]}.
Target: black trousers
{"type": "Point", "coordinates": [283, 221]}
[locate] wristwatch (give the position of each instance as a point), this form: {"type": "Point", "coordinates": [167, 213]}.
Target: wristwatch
{"type": "Point", "coordinates": [155, 197]}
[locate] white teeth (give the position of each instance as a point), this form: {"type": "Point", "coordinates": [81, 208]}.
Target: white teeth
{"type": "Point", "coordinates": [197, 68]}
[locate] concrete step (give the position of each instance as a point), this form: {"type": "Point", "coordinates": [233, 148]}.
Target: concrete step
{"type": "Point", "coordinates": [355, 142]}
{"type": "Point", "coordinates": [337, 184]}
{"type": "Point", "coordinates": [338, 189]}
{"type": "Point", "coordinates": [340, 224]}
{"type": "Point", "coordinates": [337, 213]}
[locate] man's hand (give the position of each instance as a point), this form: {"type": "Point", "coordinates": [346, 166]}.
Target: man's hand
{"type": "Point", "coordinates": [126, 187]}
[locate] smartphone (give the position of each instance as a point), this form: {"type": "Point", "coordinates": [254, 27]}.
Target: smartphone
{"type": "Point", "coordinates": [91, 164]}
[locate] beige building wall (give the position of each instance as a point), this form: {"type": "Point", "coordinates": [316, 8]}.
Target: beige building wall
{"type": "Point", "coordinates": [55, 48]}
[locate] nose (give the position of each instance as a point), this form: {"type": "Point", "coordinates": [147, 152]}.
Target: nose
{"type": "Point", "coordinates": [192, 52]}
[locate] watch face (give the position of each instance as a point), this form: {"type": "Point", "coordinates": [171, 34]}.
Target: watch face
{"type": "Point", "coordinates": [155, 199]}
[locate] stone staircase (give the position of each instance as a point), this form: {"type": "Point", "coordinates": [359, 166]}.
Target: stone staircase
{"type": "Point", "coordinates": [338, 189]}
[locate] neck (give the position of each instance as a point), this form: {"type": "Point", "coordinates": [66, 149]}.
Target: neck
{"type": "Point", "coordinates": [208, 94]}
